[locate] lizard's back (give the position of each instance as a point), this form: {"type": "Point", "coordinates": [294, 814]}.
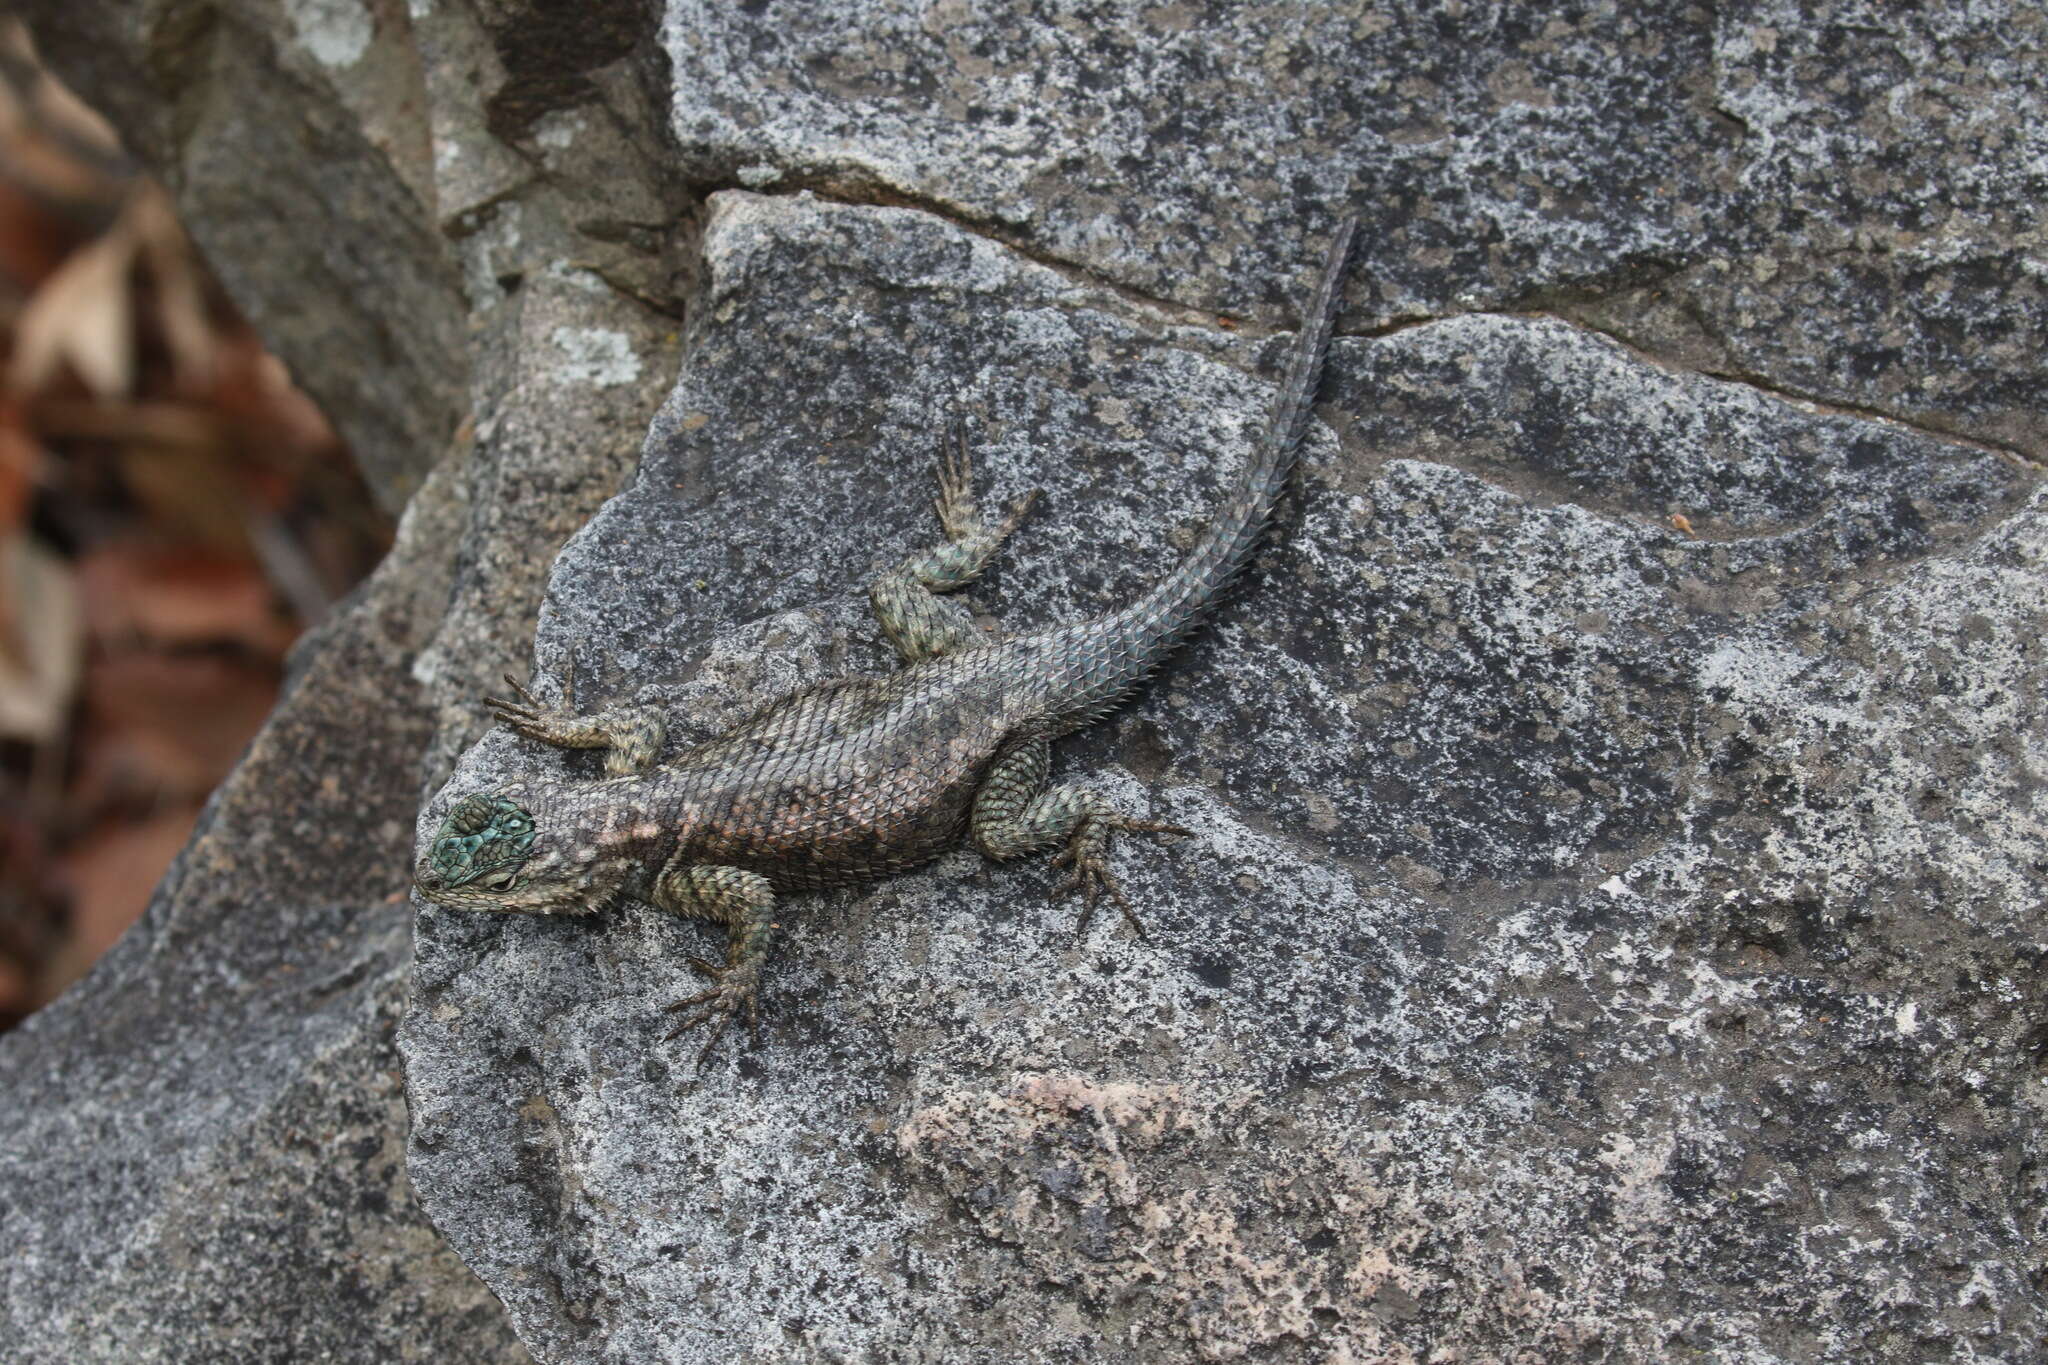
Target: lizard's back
{"type": "Point", "coordinates": [857, 777]}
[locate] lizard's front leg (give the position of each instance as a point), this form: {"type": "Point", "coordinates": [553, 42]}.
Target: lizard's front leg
{"type": "Point", "coordinates": [1015, 813]}
{"type": "Point", "coordinates": [743, 902]}
{"type": "Point", "coordinates": [630, 735]}
{"type": "Point", "coordinates": [920, 623]}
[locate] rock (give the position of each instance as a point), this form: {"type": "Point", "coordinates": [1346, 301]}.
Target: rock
{"type": "Point", "coordinates": [1612, 923]}
{"type": "Point", "coordinates": [1840, 207]}
{"type": "Point", "coordinates": [202, 1154]}
{"type": "Point", "coordinates": [202, 1157]}
{"type": "Point", "coordinates": [1596, 939]}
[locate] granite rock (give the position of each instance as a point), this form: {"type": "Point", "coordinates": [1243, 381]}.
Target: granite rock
{"type": "Point", "coordinates": [1609, 927]}
{"type": "Point", "coordinates": [1612, 928]}
{"type": "Point", "coordinates": [203, 1153]}
{"type": "Point", "coordinates": [1839, 199]}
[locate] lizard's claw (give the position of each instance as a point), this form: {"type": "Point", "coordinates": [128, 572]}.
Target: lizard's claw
{"type": "Point", "coordinates": [733, 990]}
{"type": "Point", "coordinates": [1091, 877]}
{"type": "Point", "coordinates": [529, 715]}
{"type": "Point", "coordinates": [1019, 510]}
{"type": "Point", "coordinates": [955, 504]}
{"type": "Point", "coordinates": [958, 513]}
{"type": "Point", "coordinates": [1087, 852]}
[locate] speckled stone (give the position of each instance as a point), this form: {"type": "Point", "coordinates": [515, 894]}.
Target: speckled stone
{"type": "Point", "coordinates": [202, 1150]}
{"type": "Point", "coordinates": [1599, 939]}
{"type": "Point", "coordinates": [1840, 199]}
{"type": "Point", "coordinates": [1612, 928]}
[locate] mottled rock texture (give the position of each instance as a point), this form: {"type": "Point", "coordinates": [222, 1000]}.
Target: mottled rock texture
{"type": "Point", "coordinates": [1597, 941]}
{"type": "Point", "coordinates": [202, 1153]}
{"type": "Point", "coordinates": [202, 1150]}
{"type": "Point", "coordinates": [1841, 199]}
{"type": "Point", "coordinates": [1613, 925]}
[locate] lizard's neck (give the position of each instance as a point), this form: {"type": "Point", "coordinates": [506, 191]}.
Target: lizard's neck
{"type": "Point", "coordinates": [630, 825]}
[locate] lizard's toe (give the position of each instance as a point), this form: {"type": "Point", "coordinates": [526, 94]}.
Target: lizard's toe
{"type": "Point", "coordinates": [1148, 826]}
{"type": "Point", "coordinates": [1019, 510]}
{"type": "Point", "coordinates": [736, 991]}
{"type": "Point", "coordinates": [1092, 878]}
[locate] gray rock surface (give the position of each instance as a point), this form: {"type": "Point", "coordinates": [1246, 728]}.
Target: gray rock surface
{"type": "Point", "coordinates": [1840, 199]}
{"type": "Point", "coordinates": [1597, 941]}
{"type": "Point", "coordinates": [202, 1157]}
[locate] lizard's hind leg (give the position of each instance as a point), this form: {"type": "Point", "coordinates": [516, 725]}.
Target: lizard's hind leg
{"type": "Point", "coordinates": [1014, 812]}
{"type": "Point", "coordinates": [918, 621]}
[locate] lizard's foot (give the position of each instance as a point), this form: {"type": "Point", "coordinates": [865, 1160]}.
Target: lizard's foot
{"type": "Point", "coordinates": [631, 735]}
{"type": "Point", "coordinates": [1087, 852]}
{"type": "Point", "coordinates": [734, 989]}
{"type": "Point", "coordinates": [955, 505]}
{"type": "Point", "coordinates": [535, 719]}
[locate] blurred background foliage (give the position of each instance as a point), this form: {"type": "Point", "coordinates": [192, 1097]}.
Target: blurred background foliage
{"type": "Point", "coordinates": [173, 512]}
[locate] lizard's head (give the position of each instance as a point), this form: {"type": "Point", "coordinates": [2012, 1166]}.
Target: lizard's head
{"type": "Point", "coordinates": [491, 854]}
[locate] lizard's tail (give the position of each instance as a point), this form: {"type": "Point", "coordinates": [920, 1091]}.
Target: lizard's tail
{"type": "Point", "coordinates": [1112, 654]}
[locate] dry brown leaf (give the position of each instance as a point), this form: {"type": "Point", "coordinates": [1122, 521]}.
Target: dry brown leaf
{"type": "Point", "coordinates": [253, 387]}
{"type": "Point", "coordinates": [44, 636]}
{"type": "Point", "coordinates": [15, 994]}
{"type": "Point", "coordinates": [81, 315]}
{"type": "Point", "coordinates": [110, 875]}
{"type": "Point", "coordinates": [142, 422]}
{"type": "Point", "coordinates": [178, 598]}
{"type": "Point", "coordinates": [179, 297]}
{"type": "Point", "coordinates": [192, 492]}
{"type": "Point", "coordinates": [160, 725]}
{"type": "Point", "coordinates": [33, 242]}
{"type": "Point", "coordinates": [296, 418]}
{"type": "Point", "coordinates": [21, 465]}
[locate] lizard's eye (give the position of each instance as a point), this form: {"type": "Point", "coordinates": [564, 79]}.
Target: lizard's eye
{"type": "Point", "coordinates": [501, 881]}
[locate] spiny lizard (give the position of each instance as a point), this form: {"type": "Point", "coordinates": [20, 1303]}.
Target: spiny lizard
{"type": "Point", "coordinates": [856, 778]}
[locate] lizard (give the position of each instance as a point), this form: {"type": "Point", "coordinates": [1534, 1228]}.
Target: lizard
{"type": "Point", "coordinates": [860, 777]}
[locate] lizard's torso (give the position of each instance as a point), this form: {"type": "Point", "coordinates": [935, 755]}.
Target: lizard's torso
{"type": "Point", "coordinates": [843, 781]}
{"type": "Point", "coordinates": [854, 778]}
